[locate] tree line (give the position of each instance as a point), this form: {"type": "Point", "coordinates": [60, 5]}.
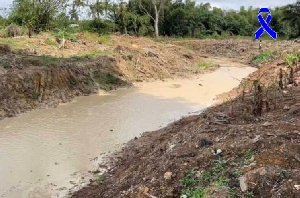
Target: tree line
{"type": "Point", "coordinates": [149, 18]}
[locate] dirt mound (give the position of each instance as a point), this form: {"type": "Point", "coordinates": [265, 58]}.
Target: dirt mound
{"type": "Point", "coordinates": [5, 49]}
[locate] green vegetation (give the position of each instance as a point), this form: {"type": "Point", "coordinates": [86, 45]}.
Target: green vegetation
{"type": "Point", "coordinates": [249, 194]}
{"type": "Point", "coordinates": [107, 81]}
{"type": "Point", "coordinates": [203, 66]}
{"type": "Point", "coordinates": [100, 179]}
{"type": "Point", "coordinates": [197, 186]}
{"type": "Point", "coordinates": [50, 42]}
{"type": "Point", "coordinates": [291, 59]}
{"type": "Point", "coordinates": [94, 53]}
{"type": "Point", "coordinates": [147, 18]}
{"type": "Point", "coordinates": [264, 57]}
{"type": "Point", "coordinates": [4, 63]}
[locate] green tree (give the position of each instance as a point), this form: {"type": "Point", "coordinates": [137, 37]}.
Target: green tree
{"type": "Point", "coordinates": [291, 15]}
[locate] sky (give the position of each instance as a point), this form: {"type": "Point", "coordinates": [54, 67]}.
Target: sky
{"type": "Point", "coordinates": [227, 4]}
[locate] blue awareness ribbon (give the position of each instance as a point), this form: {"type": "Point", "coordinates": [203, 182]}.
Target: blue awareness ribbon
{"type": "Point", "coordinates": [265, 24]}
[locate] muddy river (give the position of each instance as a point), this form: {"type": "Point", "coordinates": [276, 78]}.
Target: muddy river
{"type": "Point", "coordinates": [46, 152]}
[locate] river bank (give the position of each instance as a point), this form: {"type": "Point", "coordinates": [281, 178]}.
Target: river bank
{"type": "Point", "coordinates": [38, 81]}
{"type": "Point", "coordinates": [230, 150]}
{"type": "Point", "coordinates": [52, 152]}
{"type": "Point", "coordinates": [35, 73]}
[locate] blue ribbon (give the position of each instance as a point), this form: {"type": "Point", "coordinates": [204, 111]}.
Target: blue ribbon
{"type": "Point", "coordinates": [265, 24]}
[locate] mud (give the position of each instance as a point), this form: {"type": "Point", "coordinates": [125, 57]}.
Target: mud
{"type": "Point", "coordinates": [225, 151]}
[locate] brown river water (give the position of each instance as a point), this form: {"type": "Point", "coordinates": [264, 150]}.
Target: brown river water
{"type": "Point", "coordinates": [47, 152]}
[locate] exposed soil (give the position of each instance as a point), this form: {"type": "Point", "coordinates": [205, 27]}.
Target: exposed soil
{"type": "Point", "coordinates": [226, 151]}
{"type": "Point", "coordinates": [38, 78]}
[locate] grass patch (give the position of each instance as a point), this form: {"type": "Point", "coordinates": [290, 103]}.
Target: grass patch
{"type": "Point", "coordinates": [197, 186]}
{"type": "Point", "coordinates": [11, 42]}
{"type": "Point", "coordinates": [248, 156]}
{"type": "Point", "coordinates": [203, 66]}
{"type": "Point", "coordinates": [197, 193]}
{"type": "Point", "coordinates": [291, 59]}
{"type": "Point", "coordinates": [94, 53]}
{"type": "Point", "coordinates": [107, 81]}
{"type": "Point", "coordinates": [50, 42]}
{"type": "Point", "coordinates": [264, 57]}
{"type": "Point", "coordinates": [189, 180]}
{"type": "Point", "coordinates": [65, 35]}
{"type": "Point", "coordinates": [103, 39]}
{"type": "Point", "coordinates": [49, 61]}
{"type": "Point", "coordinates": [4, 64]}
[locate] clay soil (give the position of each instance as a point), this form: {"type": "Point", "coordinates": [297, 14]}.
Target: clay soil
{"type": "Point", "coordinates": [225, 151]}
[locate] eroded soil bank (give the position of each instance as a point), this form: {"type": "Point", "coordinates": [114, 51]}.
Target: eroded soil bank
{"type": "Point", "coordinates": [227, 151]}
{"type": "Point", "coordinates": [46, 152]}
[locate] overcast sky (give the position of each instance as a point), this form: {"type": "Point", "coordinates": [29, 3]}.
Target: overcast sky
{"type": "Point", "coordinates": [227, 4]}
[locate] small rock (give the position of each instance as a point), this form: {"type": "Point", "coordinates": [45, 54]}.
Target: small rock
{"type": "Point", "coordinates": [297, 187]}
{"type": "Point", "coordinates": [286, 107]}
{"type": "Point", "coordinates": [217, 152]}
{"type": "Point", "coordinates": [183, 196]}
{"type": "Point", "coordinates": [266, 124]}
{"type": "Point", "coordinates": [168, 175]}
{"type": "Point", "coordinates": [243, 184]}
{"type": "Point", "coordinates": [205, 142]}
{"type": "Point", "coordinates": [284, 92]}
{"type": "Point", "coordinates": [289, 86]}
{"type": "Point", "coordinates": [257, 137]}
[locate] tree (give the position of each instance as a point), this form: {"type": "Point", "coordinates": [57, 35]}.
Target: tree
{"type": "Point", "coordinates": [74, 15]}
{"type": "Point", "coordinates": [158, 6]}
{"type": "Point", "coordinates": [291, 15]}
{"type": "Point", "coordinates": [23, 14]}
{"type": "Point", "coordinates": [36, 15]}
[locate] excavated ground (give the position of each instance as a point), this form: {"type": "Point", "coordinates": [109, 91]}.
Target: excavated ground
{"type": "Point", "coordinates": [224, 152]}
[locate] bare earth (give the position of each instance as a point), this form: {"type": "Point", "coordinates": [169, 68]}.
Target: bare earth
{"type": "Point", "coordinates": [225, 151]}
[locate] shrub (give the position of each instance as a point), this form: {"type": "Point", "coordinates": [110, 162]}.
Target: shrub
{"type": "Point", "coordinates": [291, 59]}
{"type": "Point", "coordinates": [264, 57]}
{"type": "Point", "coordinates": [13, 31]}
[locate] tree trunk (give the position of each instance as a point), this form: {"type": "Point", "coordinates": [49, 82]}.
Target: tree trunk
{"type": "Point", "coordinates": [156, 22]}
{"type": "Point", "coordinates": [29, 32]}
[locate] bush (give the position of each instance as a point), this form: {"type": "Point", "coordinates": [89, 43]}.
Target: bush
{"type": "Point", "coordinates": [291, 59]}
{"type": "Point", "coordinates": [13, 31]}
{"type": "Point", "coordinates": [98, 26]}
{"type": "Point", "coordinates": [264, 57]}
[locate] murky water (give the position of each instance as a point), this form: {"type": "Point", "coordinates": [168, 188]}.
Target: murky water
{"type": "Point", "coordinates": [43, 150]}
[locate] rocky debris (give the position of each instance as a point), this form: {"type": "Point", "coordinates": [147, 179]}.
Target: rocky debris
{"type": "Point", "coordinates": [267, 124]}
{"type": "Point", "coordinates": [249, 180]}
{"type": "Point", "coordinates": [187, 155]}
{"type": "Point", "coordinates": [218, 192]}
{"type": "Point", "coordinates": [168, 175]}
{"type": "Point", "coordinates": [217, 152]}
